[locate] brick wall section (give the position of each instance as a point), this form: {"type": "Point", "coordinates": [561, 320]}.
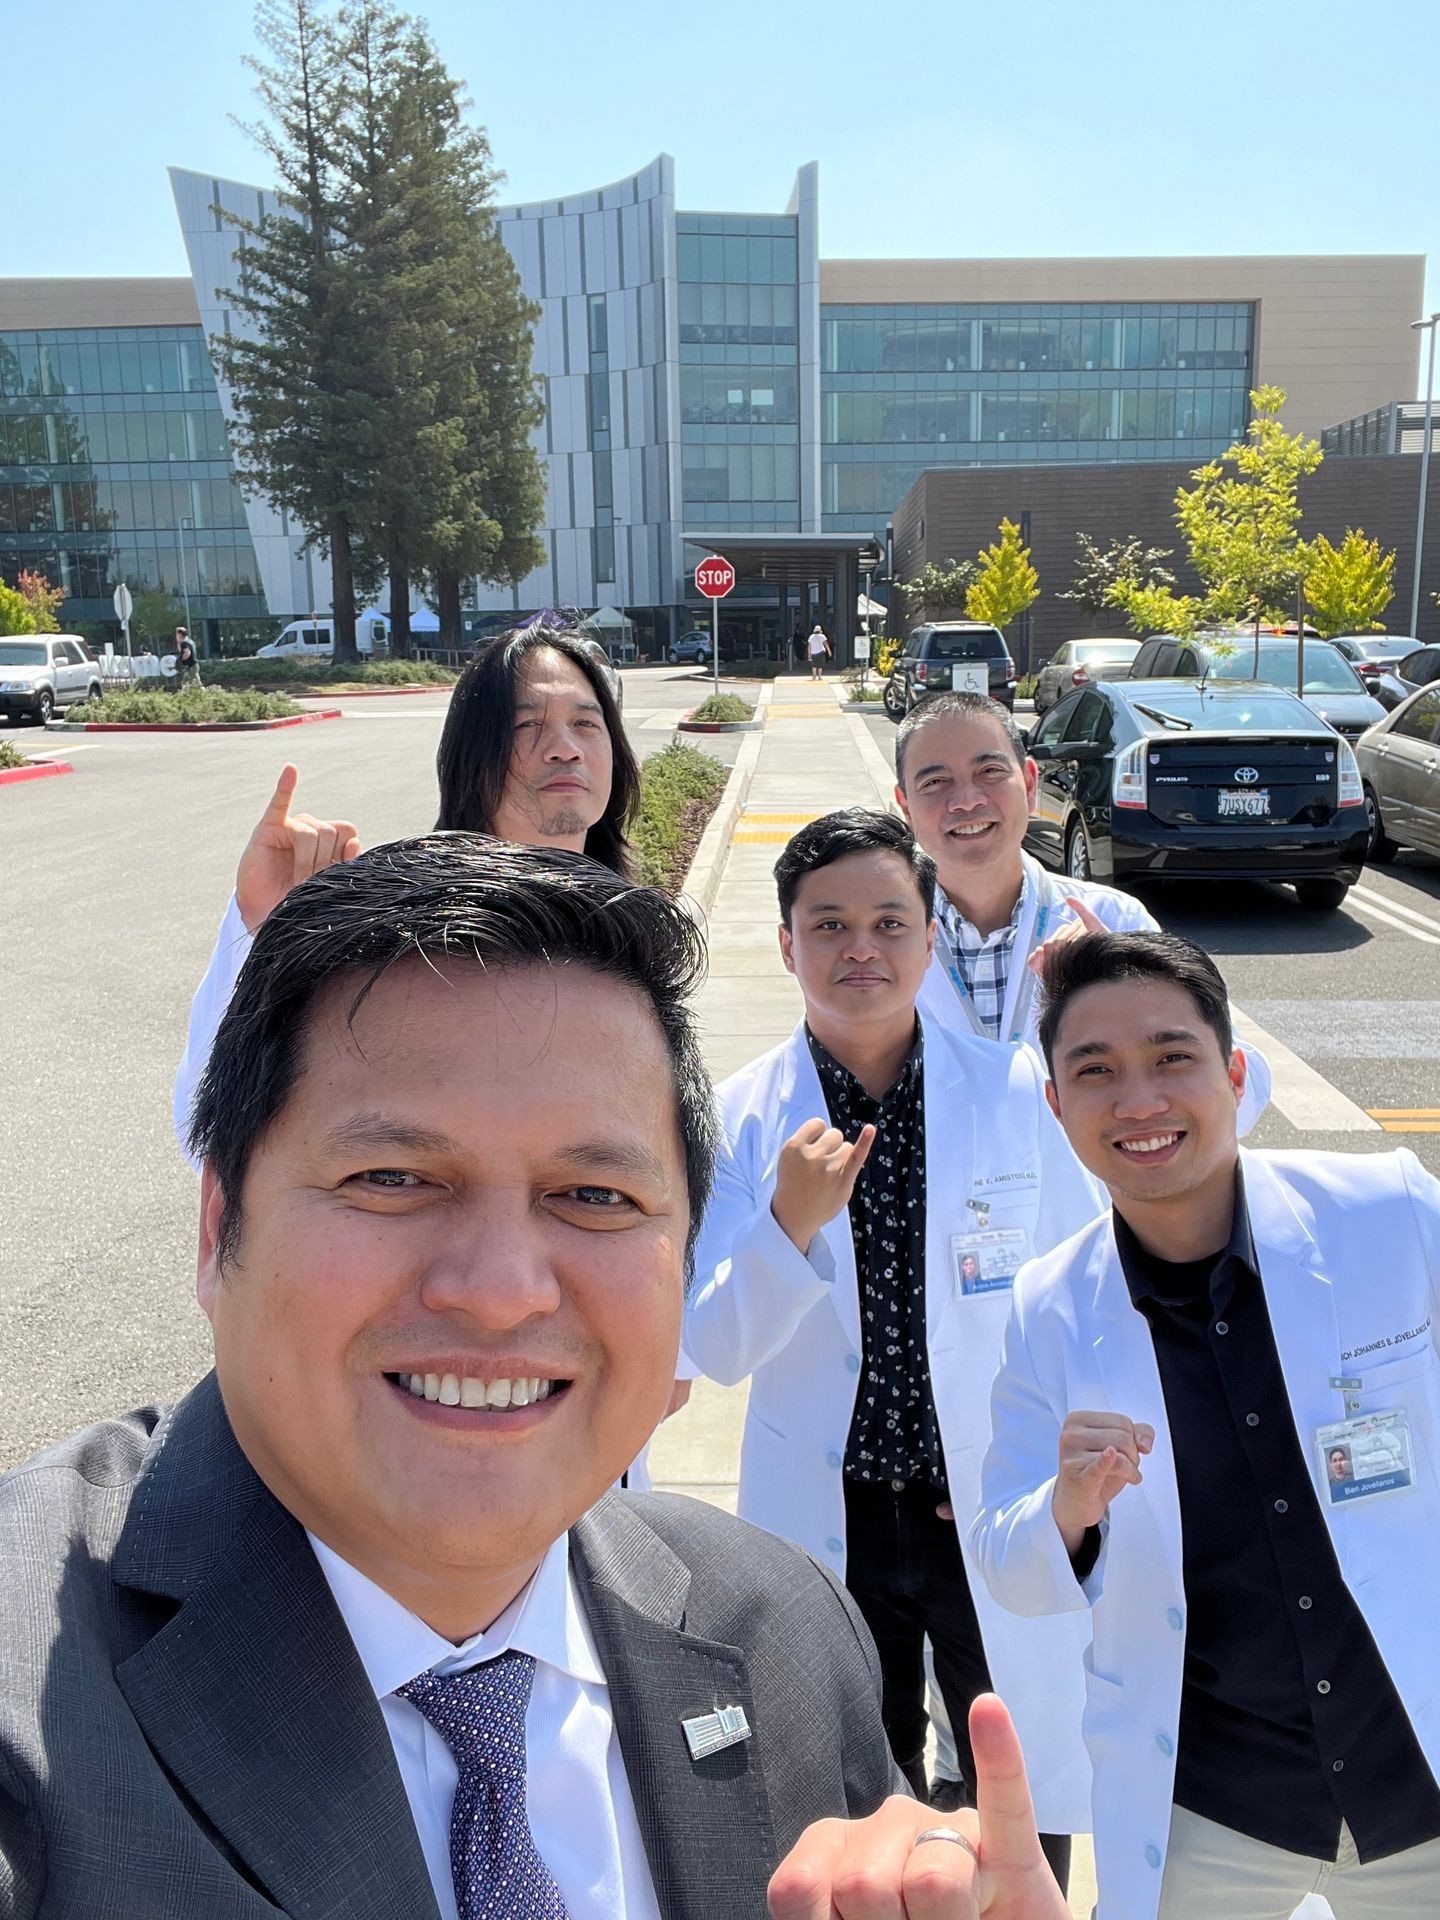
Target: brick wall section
{"type": "Point", "coordinates": [951, 515]}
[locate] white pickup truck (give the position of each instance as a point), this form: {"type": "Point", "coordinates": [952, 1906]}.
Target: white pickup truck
{"type": "Point", "coordinates": [42, 671]}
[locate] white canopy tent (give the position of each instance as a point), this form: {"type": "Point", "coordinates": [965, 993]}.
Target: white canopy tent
{"type": "Point", "coordinates": [614, 629]}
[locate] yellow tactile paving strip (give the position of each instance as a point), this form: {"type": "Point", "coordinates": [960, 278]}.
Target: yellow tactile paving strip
{"type": "Point", "coordinates": [821, 710]}
{"type": "Point", "coordinates": [758, 828]}
{"type": "Point", "coordinates": [1407, 1119]}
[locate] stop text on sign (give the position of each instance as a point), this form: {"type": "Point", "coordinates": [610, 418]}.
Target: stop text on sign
{"type": "Point", "coordinates": [714, 577]}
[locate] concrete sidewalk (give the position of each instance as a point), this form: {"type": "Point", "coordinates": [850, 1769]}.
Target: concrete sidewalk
{"type": "Point", "coordinates": [812, 758]}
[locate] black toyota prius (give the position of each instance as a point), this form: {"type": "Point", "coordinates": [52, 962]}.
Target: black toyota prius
{"type": "Point", "coordinates": [1193, 780]}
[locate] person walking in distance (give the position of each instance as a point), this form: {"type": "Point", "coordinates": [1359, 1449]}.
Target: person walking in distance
{"type": "Point", "coordinates": [818, 647]}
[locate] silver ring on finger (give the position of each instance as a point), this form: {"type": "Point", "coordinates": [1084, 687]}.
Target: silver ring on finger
{"type": "Point", "coordinates": [946, 1833]}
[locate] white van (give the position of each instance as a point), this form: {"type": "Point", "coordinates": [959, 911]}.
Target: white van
{"type": "Point", "coordinates": [315, 639]}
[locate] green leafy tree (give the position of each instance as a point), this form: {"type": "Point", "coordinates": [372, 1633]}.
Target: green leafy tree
{"type": "Point", "coordinates": [154, 616]}
{"type": "Point", "coordinates": [1006, 583]}
{"type": "Point", "coordinates": [301, 375]}
{"type": "Point", "coordinates": [940, 589]}
{"type": "Point", "coordinates": [1098, 568]}
{"type": "Point", "coordinates": [1347, 588]}
{"type": "Point", "coordinates": [1241, 526]}
{"type": "Point", "coordinates": [16, 613]}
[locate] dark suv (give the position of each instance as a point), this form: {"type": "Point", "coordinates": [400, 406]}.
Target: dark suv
{"type": "Point", "coordinates": [949, 654]}
{"type": "Point", "coordinates": [1332, 687]}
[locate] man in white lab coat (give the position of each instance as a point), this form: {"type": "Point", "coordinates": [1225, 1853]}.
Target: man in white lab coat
{"type": "Point", "coordinates": [1179, 1380]}
{"type": "Point", "coordinates": [880, 1182]}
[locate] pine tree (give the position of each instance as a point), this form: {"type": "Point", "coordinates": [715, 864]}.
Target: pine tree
{"type": "Point", "coordinates": [299, 377]}
{"type": "Point", "coordinates": [1348, 587]}
{"type": "Point", "coordinates": [1007, 583]}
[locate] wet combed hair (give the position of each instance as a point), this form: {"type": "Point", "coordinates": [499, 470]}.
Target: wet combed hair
{"type": "Point", "coordinates": [965, 706]}
{"type": "Point", "coordinates": [446, 897]}
{"type": "Point", "coordinates": [479, 737]}
{"type": "Point", "coordinates": [1096, 959]}
{"type": "Point", "coordinates": [852, 830]}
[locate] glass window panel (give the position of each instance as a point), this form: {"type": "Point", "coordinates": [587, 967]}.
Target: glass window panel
{"type": "Point", "coordinates": [599, 329]}
{"type": "Point", "coordinates": [604, 481]}
{"type": "Point", "coordinates": [688, 256]}
{"type": "Point", "coordinates": [712, 258]}
{"type": "Point", "coordinates": [7, 508]}
{"type": "Point", "coordinates": [65, 359]}
{"type": "Point", "coordinates": [150, 377]}
{"type": "Point", "coordinates": [787, 303]}
{"type": "Point", "coordinates": [739, 467]}
{"type": "Point", "coordinates": [734, 257]}
{"type": "Point", "coordinates": [689, 303]}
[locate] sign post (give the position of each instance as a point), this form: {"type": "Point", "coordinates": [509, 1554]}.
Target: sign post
{"type": "Point", "coordinates": [714, 578]}
{"type": "Point", "coordinates": [124, 607]}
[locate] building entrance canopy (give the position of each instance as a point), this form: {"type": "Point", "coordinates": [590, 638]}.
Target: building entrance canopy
{"type": "Point", "coordinates": [788, 559]}
{"type": "Point", "coordinates": [811, 576]}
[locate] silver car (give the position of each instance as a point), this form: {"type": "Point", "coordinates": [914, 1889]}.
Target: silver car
{"type": "Point", "coordinates": [40, 672]}
{"type": "Point", "coordinates": [1079, 662]}
{"type": "Point", "coordinates": [1400, 768]}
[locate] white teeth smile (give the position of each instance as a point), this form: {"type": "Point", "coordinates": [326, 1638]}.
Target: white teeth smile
{"type": "Point", "coordinates": [1155, 1145]}
{"type": "Point", "coordinates": [969, 833]}
{"type": "Point", "coordinates": [456, 1390]}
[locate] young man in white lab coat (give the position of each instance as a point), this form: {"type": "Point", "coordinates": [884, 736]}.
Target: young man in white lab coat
{"type": "Point", "coordinates": [880, 1182]}
{"type": "Point", "coordinates": [1179, 1379]}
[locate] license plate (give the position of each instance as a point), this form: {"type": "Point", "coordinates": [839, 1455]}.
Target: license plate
{"type": "Point", "coordinates": [1244, 803]}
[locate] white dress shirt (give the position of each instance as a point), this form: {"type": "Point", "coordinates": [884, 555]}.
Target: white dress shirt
{"type": "Point", "coordinates": [578, 1797]}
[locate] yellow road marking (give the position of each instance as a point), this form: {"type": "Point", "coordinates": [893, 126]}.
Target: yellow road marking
{"type": "Point", "coordinates": [758, 819]}
{"type": "Point", "coordinates": [764, 838]}
{"type": "Point", "coordinates": [1411, 1126]}
{"type": "Point", "coordinates": [1404, 1113]}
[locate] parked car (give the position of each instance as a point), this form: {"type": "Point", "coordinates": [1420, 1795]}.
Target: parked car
{"type": "Point", "coordinates": [1191, 779]}
{"type": "Point", "coordinates": [42, 671]}
{"type": "Point", "coordinates": [1376, 657]}
{"type": "Point", "coordinates": [1420, 668]}
{"type": "Point", "coordinates": [1332, 687]}
{"type": "Point", "coordinates": [691, 649]}
{"type": "Point", "coordinates": [315, 639]}
{"type": "Point", "coordinates": [1079, 662]}
{"type": "Point", "coordinates": [596, 649]}
{"type": "Point", "coordinates": [951, 654]}
{"type": "Point", "coordinates": [1400, 767]}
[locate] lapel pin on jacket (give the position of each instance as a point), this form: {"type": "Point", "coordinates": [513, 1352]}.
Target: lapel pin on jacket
{"type": "Point", "coordinates": [708, 1733]}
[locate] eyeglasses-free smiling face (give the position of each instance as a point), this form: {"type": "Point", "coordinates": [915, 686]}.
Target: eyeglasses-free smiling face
{"type": "Point", "coordinates": [561, 763]}
{"type": "Point", "coordinates": [859, 938]}
{"type": "Point", "coordinates": [453, 1315]}
{"type": "Point", "coordinates": [966, 796]}
{"type": "Point", "coordinates": [1143, 1091]}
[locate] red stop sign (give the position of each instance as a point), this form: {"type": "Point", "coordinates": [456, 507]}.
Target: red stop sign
{"type": "Point", "coordinates": [714, 577]}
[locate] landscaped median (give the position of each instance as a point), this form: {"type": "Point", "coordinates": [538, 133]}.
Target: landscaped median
{"type": "Point", "coordinates": [195, 710]}
{"type": "Point", "coordinates": [15, 766]}
{"type": "Point", "coordinates": [680, 788]}
{"type": "Point", "coordinates": [720, 713]}
{"type": "Point", "coordinates": [312, 679]}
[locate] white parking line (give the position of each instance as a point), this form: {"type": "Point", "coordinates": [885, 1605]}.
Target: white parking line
{"type": "Point", "coordinates": [1384, 901]}
{"type": "Point", "coordinates": [1305, 1097]}
{"type": "Point", "coordinates": [1390, 914]}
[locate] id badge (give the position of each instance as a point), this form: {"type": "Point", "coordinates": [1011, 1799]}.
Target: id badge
{"type": "Point", "coordinates": [988, 1261]}
{"type": "Point", "coordinates": [1366, 1456]}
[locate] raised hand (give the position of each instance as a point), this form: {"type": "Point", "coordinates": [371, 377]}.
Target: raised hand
{"type": "Point", "coordinates": [815, 1178]}
{"type": "Point", "coordinates": [873, 1870]}
{"type": "Point", "coordinates": [285, 849]}
{"type": "Point", "coordinates": [1085, 922]}
{"type": "Point", "coordinates": [1099, 1454]}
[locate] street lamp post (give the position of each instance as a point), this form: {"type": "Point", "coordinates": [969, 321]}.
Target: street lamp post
{"type": "Point", "coordinates": [1420, 326]}
{"type": "Point", "coordinates": [185, 577]}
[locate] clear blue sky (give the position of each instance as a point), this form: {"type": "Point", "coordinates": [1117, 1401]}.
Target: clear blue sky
{"type": "Point", "coordinates": [942, 127]}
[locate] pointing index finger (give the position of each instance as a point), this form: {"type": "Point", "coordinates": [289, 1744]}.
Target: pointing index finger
{"type": "Point", "coordinates": [278, 805]}
{"type": "Point", "coordinates": [1090, 920]}
{"type": "Point", "coordinates": [1009, 1843]}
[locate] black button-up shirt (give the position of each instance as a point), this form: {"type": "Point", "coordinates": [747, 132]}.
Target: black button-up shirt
{"type": "Point", "coordinates": [894, 1434]}
{"type": "Point", "coordinates": [1289, 1720]}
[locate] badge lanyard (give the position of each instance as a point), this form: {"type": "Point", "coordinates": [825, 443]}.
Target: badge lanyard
{"type": "Point", "coordinates": [1020, 991]}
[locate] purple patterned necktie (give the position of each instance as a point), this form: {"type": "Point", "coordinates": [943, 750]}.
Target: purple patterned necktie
{"type": "Point", "coordinates": [480, 1715]}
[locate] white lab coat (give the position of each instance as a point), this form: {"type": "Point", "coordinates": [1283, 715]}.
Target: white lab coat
{"type": "Point", "coordinates": [1349, 1247]}
{"type": "Point", "coordinates": [792, 1321]}
{"type": "Point", "coordinates": [1044, 911]}
{"type": "Point", "coordinates": [207, 1010]}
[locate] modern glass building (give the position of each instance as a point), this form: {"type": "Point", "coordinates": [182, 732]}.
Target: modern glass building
{"type": "Point", "coordinates": [904, 389]}
{"type": "Point", "coordinates": [114, 467]}
{"type": "Point", "coordinates": [710, 383]}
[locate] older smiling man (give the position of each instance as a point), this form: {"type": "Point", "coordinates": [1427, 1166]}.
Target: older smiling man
{"type": "Point", "coordinates": [356, 1629]}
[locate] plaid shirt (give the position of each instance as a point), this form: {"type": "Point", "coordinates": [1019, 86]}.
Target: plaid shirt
{"type": "Point", "coordinates": [985, 960]}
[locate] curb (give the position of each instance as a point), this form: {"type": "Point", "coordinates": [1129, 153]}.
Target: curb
{"type": "Point", "coordinates": [702, 881]}
{"type": "Point", "coordinates": [375, 693]}
{"type": "Point", "coordinates": [40, 770]}
{"type": "Point", "coordinates": [686, 725]}
{"type": "Point", "coordinates": [200, 726]}
{"type": "Point", "coordinates": [882, 778]}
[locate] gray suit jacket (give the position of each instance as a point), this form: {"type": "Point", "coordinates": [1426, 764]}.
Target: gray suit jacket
{"type": "Point", "coordinates": [186, 1732]}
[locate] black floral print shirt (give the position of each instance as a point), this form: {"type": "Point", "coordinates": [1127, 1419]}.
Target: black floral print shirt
{"type": "Point", "coordinates": [894, 1434]}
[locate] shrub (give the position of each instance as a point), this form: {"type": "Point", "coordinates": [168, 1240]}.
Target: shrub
{"type": "Point", "coordinates": [887, 652]}
{"type": "Point", "coordinates": [11, 757]}
{"type": "Point", "coordinates": [1025, 688]}
{"type": "Point", "coordinates": [188, 709]}
{"type": "Point", "coordinates": [723, 707]}
{"type": "Point", "coordinates": [320, 673]}
{"type": "Point", "coordinates": [679, 789]}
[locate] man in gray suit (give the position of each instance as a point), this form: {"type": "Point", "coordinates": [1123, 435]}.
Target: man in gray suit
{"type": "Point", "coordinates": [357, 1630]}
